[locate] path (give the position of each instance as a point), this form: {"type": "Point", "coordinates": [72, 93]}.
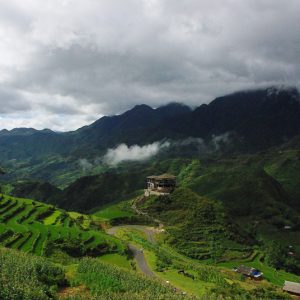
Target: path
{"type": "Point", "coordinates": [140, 260]}
{"type": "Point", "coordinates": [149, 232]}
{"type": "Point", "coordinates": [139, 212]}
{"type": "Point", "coordinates": [138, 253]}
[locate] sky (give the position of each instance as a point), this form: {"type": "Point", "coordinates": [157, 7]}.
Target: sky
{"type": "Point", "coordinates": [66, 63]}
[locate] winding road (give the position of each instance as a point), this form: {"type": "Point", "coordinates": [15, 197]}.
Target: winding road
{"type": "Point", "coordinates": [141, 261]}
{"type": "Point", "coordinates": [138, 253]}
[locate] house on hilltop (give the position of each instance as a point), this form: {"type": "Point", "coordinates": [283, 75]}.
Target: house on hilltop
{"type": "Point", "coordinates": [160, 185]}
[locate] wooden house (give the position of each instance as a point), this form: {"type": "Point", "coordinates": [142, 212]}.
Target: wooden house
{"type": "Point", "coordinates": [162, 184]}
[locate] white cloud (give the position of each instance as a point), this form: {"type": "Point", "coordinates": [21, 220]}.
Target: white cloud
{"type": "Point", "coordinates": [76, 60]}
{"type": "Point", "coordinates": [133, 153]}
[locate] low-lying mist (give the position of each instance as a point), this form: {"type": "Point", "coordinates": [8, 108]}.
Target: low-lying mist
{"type": "Point", "coordinates": [133, 153]}
{"type": "Point", "coordinates": [123, 152]}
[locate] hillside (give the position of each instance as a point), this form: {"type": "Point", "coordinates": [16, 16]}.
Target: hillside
{"type": "Point", "coordinates": [31, 277]}
{"type": "Point", "coordinates": [197, 225]}
{"type": "Point", "coordinates": [42, 229]}
{"type": "Point", "coordinates": [255, 185]}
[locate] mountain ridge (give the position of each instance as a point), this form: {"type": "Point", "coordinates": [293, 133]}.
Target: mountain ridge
{"type": "Point", "coordinates": [252, 121]}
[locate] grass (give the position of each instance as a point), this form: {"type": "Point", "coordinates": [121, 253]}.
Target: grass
{"type": "Point", "coordinates": [277, 277]}
{"type": "Point", "coordinates": [114, 211]}
{"type": "Point", "coordinates": [52, 218]}
{"type": "Point", "coordinates": [108, 282]}
{"type": "Point", "coordinates": [116, 259]}
{"type": "Point", "coordinates": [216, 272]}
{"type": "Point", "coordinates": [193, 287]}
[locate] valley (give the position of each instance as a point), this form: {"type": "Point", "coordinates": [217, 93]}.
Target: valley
{"type": "Point", "coordinates": [46, 228]}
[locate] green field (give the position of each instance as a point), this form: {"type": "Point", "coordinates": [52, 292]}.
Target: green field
{"type": "Point", "coordinates": [209, 278]}
{"type": "Point", "coordinates": [274, 276]}
{"type": "Point", "coordinates": [33, 227]}
{"type": "Point", "coordinates": [114, 211]}
{"type": "Point", "coordinates": [117, 260]}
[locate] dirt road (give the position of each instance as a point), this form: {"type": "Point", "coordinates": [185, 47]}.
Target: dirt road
{"type": "Point", "coordinates": [137, 252]}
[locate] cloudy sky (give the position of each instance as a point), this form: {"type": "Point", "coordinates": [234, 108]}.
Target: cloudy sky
{"type": "Point", "coordinates": [65, 63]}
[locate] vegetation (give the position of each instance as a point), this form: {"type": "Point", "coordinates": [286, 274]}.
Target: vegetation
{"type": "Point", "coordinates": [108, 282]}
{"type": "Point", "coordinates": [198, 226]}
{"type": "Point", "coordinates": [38, 228]}
{"type": "Point", "coordinates": [28, 277]}
{"type": "Point", "coordinates": [119, 210]}
{"type": "Point", "coordinates": [278, 257]}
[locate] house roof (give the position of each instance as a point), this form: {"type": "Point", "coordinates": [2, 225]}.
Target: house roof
{"type": "Point", "coordinates": [163, 176]}
{"type": "Point", "coordinates": [244, 270]}
{"type": "Point", "coordinates": [292, 287]}
{"type": "Point", "coordinates": [249, 271]}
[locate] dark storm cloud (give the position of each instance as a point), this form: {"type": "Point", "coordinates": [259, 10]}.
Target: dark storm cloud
{"type": "Point", "coordinates": [89, 58]}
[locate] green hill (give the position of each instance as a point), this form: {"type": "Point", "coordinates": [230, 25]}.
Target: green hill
{"type": "Point", "coordinates": [198, 227]}
{"type": "Point", "coordinates": [240, 184]}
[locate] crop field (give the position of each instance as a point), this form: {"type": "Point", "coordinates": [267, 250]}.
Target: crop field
{"type": "Point", "coordinates": [108, 282]}
{"type": "Point", "coordinates": [118, 210]}
{"type": "Point", "coordinates": [32, 226]}
{"type": "Point", "coordinates": [277, 277]}
{"type": "Point", "coordinates": [25, 276]}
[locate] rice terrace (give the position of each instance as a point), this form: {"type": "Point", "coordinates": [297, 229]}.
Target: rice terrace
{"type": "Point", "coordinates": [34, 227]}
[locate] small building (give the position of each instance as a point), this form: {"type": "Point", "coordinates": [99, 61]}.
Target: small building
{"type": "Point", "coordinates": [159, 185]}
{"type": "Point", "coordinates": [292, 288]}
{"type": "Point", "coordinates": [249, 272]}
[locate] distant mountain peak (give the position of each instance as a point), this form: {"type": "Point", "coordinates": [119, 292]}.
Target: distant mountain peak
{"type": "Point", "coordinates": [175, 105]}
{"type": "Point", "coordinates": [141, 107]}
{"type": "Point", "coordinates": [23, 131]}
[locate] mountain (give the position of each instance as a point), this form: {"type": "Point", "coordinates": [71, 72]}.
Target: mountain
{"type": "Point", "coordinates": [260, 119]}
{"type": "Point", "coordinates": [246, 122]}
{"type": "Point", "coordinates": [33, 143]}
{"type": "Point", "coordinates": [37, 190]}
{"type": "Point", "coordinates": [131, 127]}
{"type": "Point", "coordinates": [22, 131]}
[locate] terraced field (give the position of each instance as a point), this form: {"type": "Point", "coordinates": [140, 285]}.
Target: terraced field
{"type": "Point", "coordinates": [32, 226]}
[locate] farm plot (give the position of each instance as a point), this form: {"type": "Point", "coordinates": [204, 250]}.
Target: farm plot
{"type": "Point", "coordinates": [37, 228]}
